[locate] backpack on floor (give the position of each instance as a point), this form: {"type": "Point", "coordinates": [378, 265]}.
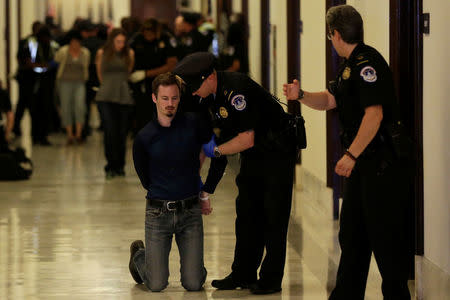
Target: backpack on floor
{"type": "Point", "coordinates": [14, 165]}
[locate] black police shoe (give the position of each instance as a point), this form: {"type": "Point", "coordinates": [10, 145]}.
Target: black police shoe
{"type": "Point", "coordinates": [261, 289]}
{"type": "Point", "coordinates": [135, 247]}
{"type": "Point", "coordinates": [229, 283]}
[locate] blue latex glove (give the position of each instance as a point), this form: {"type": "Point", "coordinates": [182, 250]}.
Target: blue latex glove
{"type": "Point", "coordinates": [208, 148]}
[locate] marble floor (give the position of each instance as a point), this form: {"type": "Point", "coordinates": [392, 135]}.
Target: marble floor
{"type": "Point", "coordinates": [65, 234]}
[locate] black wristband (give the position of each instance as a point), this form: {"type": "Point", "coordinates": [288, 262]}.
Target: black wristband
{"type": "Point", "coordinates": [349, 154]}
{"type": "Point", "coordinates": [301, 94]}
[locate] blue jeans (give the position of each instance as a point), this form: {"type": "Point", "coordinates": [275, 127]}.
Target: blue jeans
{"type": "Point", "coordinates": [115, 119]}
{"type": "Point", "coordinates": [153, 262]}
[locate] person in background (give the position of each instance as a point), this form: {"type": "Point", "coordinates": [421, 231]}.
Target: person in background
{"type": "Point", "coordinates": [6, 125]}
{"type": "Point", "coordinates": [153, 56]}
{"type": "Point", "coordinates": [26, 78]}
{"type": "Point", "coordinates": [191, 40]}
{"type": "Point", "coordinates": [92, 42]}
{"type": "Point", "coordinates": [43, 109]}
{"type": "Point", "coordinates": [73, 72]}
{"type": "Point", "coordinates": [236, 53]}
{"type": "Point", "coordinates": [115, 62]}
{"type": "Point", "coordinates": [131, 25]}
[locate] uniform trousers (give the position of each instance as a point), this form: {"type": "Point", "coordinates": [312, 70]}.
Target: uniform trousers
{"type": "Point", "coordinates": [373, 219]}
{"type": "Point", "coordinates": [263, 208]}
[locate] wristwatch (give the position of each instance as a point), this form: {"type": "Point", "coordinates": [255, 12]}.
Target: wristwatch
{"type": "Point", "coordinates": [301, 94]}
{"type": "Point", "coordinates": [217, 152]}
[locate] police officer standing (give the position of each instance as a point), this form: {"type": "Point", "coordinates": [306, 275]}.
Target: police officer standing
{"type": "Point", "coordinates": [153, 56]}
{"type": "Point", "coordinates": [250, 122]}
{"type": "Point", "coordinates": [190, 39]}
{"type": "Point", "coordinates": [375, 194]}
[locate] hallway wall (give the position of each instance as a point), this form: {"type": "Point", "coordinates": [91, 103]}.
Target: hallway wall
{"type": "Point", "coordinates": [254, 43]}
{"type": "Point", "coordinates": [313, 79]}
{"type": "Point", "coordinates": [375, 15]}
{"type": "Point", "coordinates": [436, 134]}
{"type": "Point", "coordinates": [2, 45]}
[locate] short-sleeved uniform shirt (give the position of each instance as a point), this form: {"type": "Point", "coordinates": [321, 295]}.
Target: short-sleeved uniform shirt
{"type": "Point", "coordinates": [240, 105]}
{"type": "Point", "coordinates": [151, 55]}
{"type": "Point", "coordinates": [192, 42]}
{"type": "Point", "coordinates": [364, 80]}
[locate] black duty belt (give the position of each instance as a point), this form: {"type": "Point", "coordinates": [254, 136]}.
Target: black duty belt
{"type": "Point", "coordinates": [173, 205]}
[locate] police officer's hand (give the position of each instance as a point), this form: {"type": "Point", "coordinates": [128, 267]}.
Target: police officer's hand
{"type": "Point", "coordinates": [209, 147]}
{"type": "Point", "coordinates": [290, 90]}
{"type": "Point", "coordinates": [345, 166]}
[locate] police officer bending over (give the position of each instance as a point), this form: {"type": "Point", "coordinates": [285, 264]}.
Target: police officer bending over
{"type": "Point", "coordinates": [375, 194]}
{"type": "Point", "coordinates": [250, 122]}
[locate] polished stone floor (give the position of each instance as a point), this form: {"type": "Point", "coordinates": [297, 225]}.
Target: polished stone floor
{"type": "Point", "coordinates": [65, 234]}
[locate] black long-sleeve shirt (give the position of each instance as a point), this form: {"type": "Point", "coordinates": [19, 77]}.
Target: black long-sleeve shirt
{"type": "Point", "coordinates": [167, 159]}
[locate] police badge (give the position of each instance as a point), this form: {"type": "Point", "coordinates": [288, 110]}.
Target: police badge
{"type": "Point", "coordinates": [346, 73]}
{"type": "Point", "coordinates": [223, 112]}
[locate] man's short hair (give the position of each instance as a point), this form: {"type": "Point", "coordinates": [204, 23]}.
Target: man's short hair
{"type": "Point", "coordinates": [166, 79]}
{"type": "Point", "coordinates": [347, 20]}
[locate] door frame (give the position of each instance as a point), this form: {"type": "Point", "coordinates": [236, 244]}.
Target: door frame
{"type": "Point", "coordinates": [293, 53]}
{"type": "Point", "coordinates": [265, 44]}
{"type": "Point", "coordinates": [7, 45]}
{"type": "Point", "coordinates": [406, 62]}
{"type": "Point", "coordinates": [334, 148]}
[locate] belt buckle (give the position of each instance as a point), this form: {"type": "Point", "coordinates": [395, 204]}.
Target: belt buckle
{"type": "Point", "coordinates": [168, 206]}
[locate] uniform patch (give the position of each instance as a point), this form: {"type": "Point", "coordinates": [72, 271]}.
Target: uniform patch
{"type": "Point", "coordinates": [369, 74]}
{"type": "Point", "coordinates": [346, 73]}
{"type": "Point", "coordinates": [162, 45]}
{"type": "Point", "coordinates": [223, 112]}
{"type": "Point", "coordinates": [173, 42]}
{"type": "Point", "coordinates": [239, 102]}
{"type": "Point", "coordinates": [188, 41]}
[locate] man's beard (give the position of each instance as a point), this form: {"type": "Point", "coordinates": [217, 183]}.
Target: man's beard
{"type": "Point", "coordinates": [170, 113]}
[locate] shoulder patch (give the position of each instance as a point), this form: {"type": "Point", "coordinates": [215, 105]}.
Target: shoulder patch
{"type": "Point", "coordinates": [239, 102]}
{"type": "Point", "coordinates": [369, 74]}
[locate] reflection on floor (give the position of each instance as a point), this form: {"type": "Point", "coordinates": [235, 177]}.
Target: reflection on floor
{"type": "Point", "coordinates": [65, 234]}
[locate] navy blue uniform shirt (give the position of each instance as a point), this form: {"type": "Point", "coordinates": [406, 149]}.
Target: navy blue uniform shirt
{"type": "Point", "coordinates": [167, 161]}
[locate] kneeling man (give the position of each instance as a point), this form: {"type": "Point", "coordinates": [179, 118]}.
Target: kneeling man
{"type": "Point", "coordinates": [167, 156]}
